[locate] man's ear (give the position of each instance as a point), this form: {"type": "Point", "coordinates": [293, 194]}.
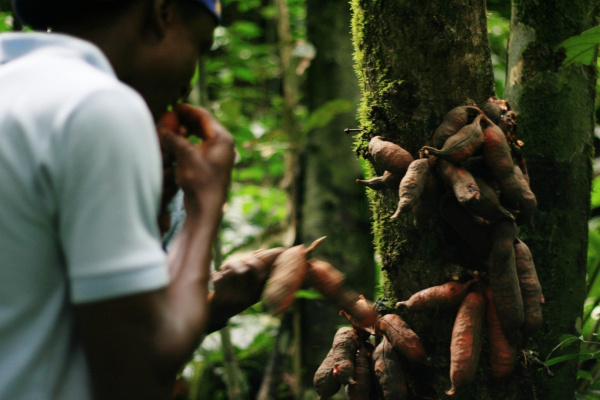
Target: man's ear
{"type": "Point", "coordinates": [159, 16]}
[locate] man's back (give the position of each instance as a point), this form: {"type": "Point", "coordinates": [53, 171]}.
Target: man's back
{"type": "Point", "coordinates": [63, 238]}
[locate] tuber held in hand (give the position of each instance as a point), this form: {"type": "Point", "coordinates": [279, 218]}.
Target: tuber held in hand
{"type": "Point", "coordinates": [287, 274]}
{"type": "Point", "coordinates": [465, 347]}
{"type": "Point", "coordinates": [404, 339]}
{"type": "Point", "coordinates": [332, 284]}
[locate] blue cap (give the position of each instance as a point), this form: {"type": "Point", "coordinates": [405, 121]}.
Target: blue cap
{"type": "Point", "coordinates": [28, 11]}
{"type": "Point", "coordinates": [214, 6]}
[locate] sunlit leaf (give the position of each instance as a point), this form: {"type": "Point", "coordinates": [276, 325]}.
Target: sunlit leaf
{"type": "Point", "coordinates": [582, 48]}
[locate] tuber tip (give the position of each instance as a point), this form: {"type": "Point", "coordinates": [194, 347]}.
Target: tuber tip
{"type": "Point", "coordinates": [451, 392]}
{"type": "Point", "coordinates": [396, 214]}
{"type": "Point", "coordinates": [315, 244]}
{"type": "Point", "coordinates": [401, 304]}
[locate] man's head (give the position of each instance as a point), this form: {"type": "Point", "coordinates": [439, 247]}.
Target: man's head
{"type": "Point", "coordinates": [153, 45]}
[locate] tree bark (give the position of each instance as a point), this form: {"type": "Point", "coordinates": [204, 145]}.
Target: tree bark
{"type": "Point", "coordinates": [415, 63]}
{"type": "Point", "coordinates": [555, 106]}
{"type": "Point", "coordinates": [333, 205]}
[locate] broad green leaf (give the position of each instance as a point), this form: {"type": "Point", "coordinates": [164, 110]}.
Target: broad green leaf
{"type": "Point", "coordinates": [582, 48]}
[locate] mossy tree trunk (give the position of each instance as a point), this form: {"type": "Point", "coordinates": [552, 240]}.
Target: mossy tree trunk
{"type": "Point", "coordinates": [333, 205]}
{"type": "Point", "coordinates": [416, 61]}
{"type": "Point", "coordinates": [555, 106]}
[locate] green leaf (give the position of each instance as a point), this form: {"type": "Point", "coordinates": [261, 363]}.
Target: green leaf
{"type": "Point", "coordinates": [583, 374]}
{"type": "Point", "coordinates": [596, 192]}
{"type": "Point", "coordinates": [582, 48]}
{"type": "Point", "coordinates": [308, 294]}
{"type": "Point", "coordinates": [323, 115]}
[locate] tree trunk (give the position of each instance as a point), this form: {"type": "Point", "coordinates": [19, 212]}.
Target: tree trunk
{"type": "Point", "coordinates": [555, 106]}
{"type": "Point", "coordinates": [333, 205]}
{"type": "Point", "coordinates": [415, 63]}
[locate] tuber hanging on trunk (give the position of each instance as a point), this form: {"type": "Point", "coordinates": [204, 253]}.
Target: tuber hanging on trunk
{"type": "Point", "coordinates": [527, 201]}
{"type": "Point", "coordinates": [465, 347]}
{"type": "Point", "coordinates": [287, 274]}
{"type": "Point", "coordinates": [446, 295]}
{"type": "Point", "coordinates": [412, 185]}
{"type": "Point", "coordinates": [459, 180]}
{"type": "Point", "coordinates": [503, 277]}
{"type": "Point", "coordinates": [389, 156]}
{"type": "Point", "coordinates": [332, 284]}
{"type": "Point", "coordinates": [488, 205]}
{"type": "Point", "coordinates": [453, 121]}
{"type": "Point", "coordinates": [476, 235]}
{"type": "Point", "coordinates": [364, 386]}
{"type": "Point", "coordinates": [324, 382]}
{"type": "Point", "coordinates": [385, 181]}
{"type": "Point", "coordinates": [404, 339]}
{"type": "Point", "coordinates": [345, 344]}
{"type": "Point", "coordinates": [531, 290]}
{"type": "Point", "coordinates": [494, 109]}
{"type": "Point", "coordinates": [388, 371]}
{"type": "Point", "coordinates": [428, 203]}
{"type": "Point", "coordinates": [498, 158]}
{"type": "Point", "coordinates": [503, 352]}
{"type": "Point", "coordinates": [459, 147]}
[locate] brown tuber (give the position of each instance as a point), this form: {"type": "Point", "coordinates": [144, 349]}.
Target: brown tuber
{"type": "Point", "coordinates": [453, 121]}
{"type": "Point", "coordinates": [460, 181]}
{"type": "Point", "coordinates": [465, 347]}
{"type": "Point", "coordinates": [324, 382]}
{"type": "Point", "coordinates": [503, 277]}
{"type": "Point", "coordinates": [332, 284]}
{"type": "Point", "coordinates": [390, 156]}
{"type": "Point", "coordinates": [412, 185]}
{"type": "Point", "coordinates": [388, 371]}
{"type": "Point", "coordinates": [287, 274]}
{"type": "Point", "coordinates": [364, 386]}
{"type": "Point", "coordinates": [404, 339]}
{"type": "Point", "coordinates": [345, 344]}
{"type": "Point", "coordinates": [503, 352]}
{"type": "Point", "coordinates": [459, 147]}
{"type": "Point", "coordinates": [447, 295]}
{"type": "Point", "coordinates": [531, 290]}
{"type": "Point", "coordinates": [385, 181]}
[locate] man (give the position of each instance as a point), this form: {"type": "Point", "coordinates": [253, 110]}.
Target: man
{"type": "Point", "coordinates": [90, 306]}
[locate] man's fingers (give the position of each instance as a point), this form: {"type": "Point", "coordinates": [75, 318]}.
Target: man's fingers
{"type": "Point", "coordinates": [197, 120]}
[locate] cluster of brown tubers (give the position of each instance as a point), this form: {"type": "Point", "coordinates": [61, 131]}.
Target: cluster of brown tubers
{"type": "Point", "coordinates": [367, 371]}
{"type": "Point", "coordinates": [474, 173]}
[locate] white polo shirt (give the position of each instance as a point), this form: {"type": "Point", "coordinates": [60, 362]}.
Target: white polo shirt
{"type": "Point", "coordinates": [80, 181]}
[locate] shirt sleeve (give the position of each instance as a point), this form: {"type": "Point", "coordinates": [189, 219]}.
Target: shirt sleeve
{"type": "Point", "coordinates": [109, 198]}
